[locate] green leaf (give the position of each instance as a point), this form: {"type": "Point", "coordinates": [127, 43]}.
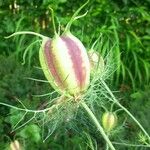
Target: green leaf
{"type": "Point", "coordinates": [14, 118]}
{"type": "Point", "coordinates": [136, 95]}
{"type": "Point", "coordinates": [31, 132]}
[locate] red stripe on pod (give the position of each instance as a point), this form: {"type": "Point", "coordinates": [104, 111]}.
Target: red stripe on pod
{"type": "Point", "coordinates": [51, 62]}
{"type": "Point", "coordinates": [75, 54]}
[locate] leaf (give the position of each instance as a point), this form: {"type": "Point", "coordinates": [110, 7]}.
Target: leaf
{"type": "Point", "coordinates": [14, 118]}
{"type": "Point", "coordinates": [31, 132]}
{"type": "Point", "coordinates": [136, 95]}
{"type": "Point", "coordinates": [62, 1]}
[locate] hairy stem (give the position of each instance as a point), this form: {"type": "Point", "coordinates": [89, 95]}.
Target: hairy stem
{"type": "Point", "coordinates": [97, 124]}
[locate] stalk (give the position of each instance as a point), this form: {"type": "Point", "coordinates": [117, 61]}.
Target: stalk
{"type": "Point", "coordinates": [74, 17]}
{"type": "Point", "coordinates": [116, 101]}
{"type": "Point", "coordinates": [26, 32]}
{"type": "Point", "coordinates": [53, 21]}
{"type": "Point", "coordinates": [97, 124]}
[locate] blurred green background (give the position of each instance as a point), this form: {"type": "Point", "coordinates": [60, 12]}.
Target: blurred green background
{"type": "Point", "coordinates": [124, 24]}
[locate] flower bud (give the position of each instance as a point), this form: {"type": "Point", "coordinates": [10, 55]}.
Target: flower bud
{"type": "Point", "coordinates": [65, 63]}
{"type": "Point", "coordinates": [109, 121]}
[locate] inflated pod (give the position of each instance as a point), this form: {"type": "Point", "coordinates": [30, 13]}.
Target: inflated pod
{"type": "Point", "coordinates": [65, 63]}
{"type": "Point", "coordinates": [109, 121]}
{"type": "Point", "coordinates": [64, 59]}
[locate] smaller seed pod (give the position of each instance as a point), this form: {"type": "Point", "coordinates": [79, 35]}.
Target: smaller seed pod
{"type": "Point", "coordinates": [109, 121]}
{"type": "Point", "coordinates": [96, 62]}
{"type": "Point", "coordinates": [15, 145]}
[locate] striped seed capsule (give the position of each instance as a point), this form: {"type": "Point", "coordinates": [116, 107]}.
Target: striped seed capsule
{"type": "Point", "coordinates": [65, 63]}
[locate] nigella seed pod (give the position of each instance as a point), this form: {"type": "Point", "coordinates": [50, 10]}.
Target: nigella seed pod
{"type": "Point", "coordinates": [64, 59]}
{"type": "Point", "coordinates": [15, 145]}
{"type": "Point", "coordinates": [109, 121]}
{"type": "Point", "coordinates": [65, 64]}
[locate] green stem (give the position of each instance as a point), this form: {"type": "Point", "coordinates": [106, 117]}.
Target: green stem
{"type": "Point", "coordinates": [26, 32]}
{"type": "Point", "coordinates": [30, 110]}
{"type": "Point", "coordinates": [26, 51]}
{"type": "Point", "coordinates": [115, 100]}
{"type": "Point", "coordinates": [132, 145]}
{"type": "Point", "coordinates": [92, 48]}
{"type": "Point", "coordinates": [97, 124]}
{"type": "Point", "coordinates": [67, 29]}
{"type": "Point", "coordinates": [24, 109]}
{"type": "Point", "coordinates": [107, 147]}
{"type": "Point", "coordinates": [53, 21]}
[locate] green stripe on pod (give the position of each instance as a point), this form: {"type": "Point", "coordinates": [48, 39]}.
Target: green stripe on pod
{"type": "Point", "coordinates": [79, 60]}
{"type": "Point", "coordinates": [44, 65]}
